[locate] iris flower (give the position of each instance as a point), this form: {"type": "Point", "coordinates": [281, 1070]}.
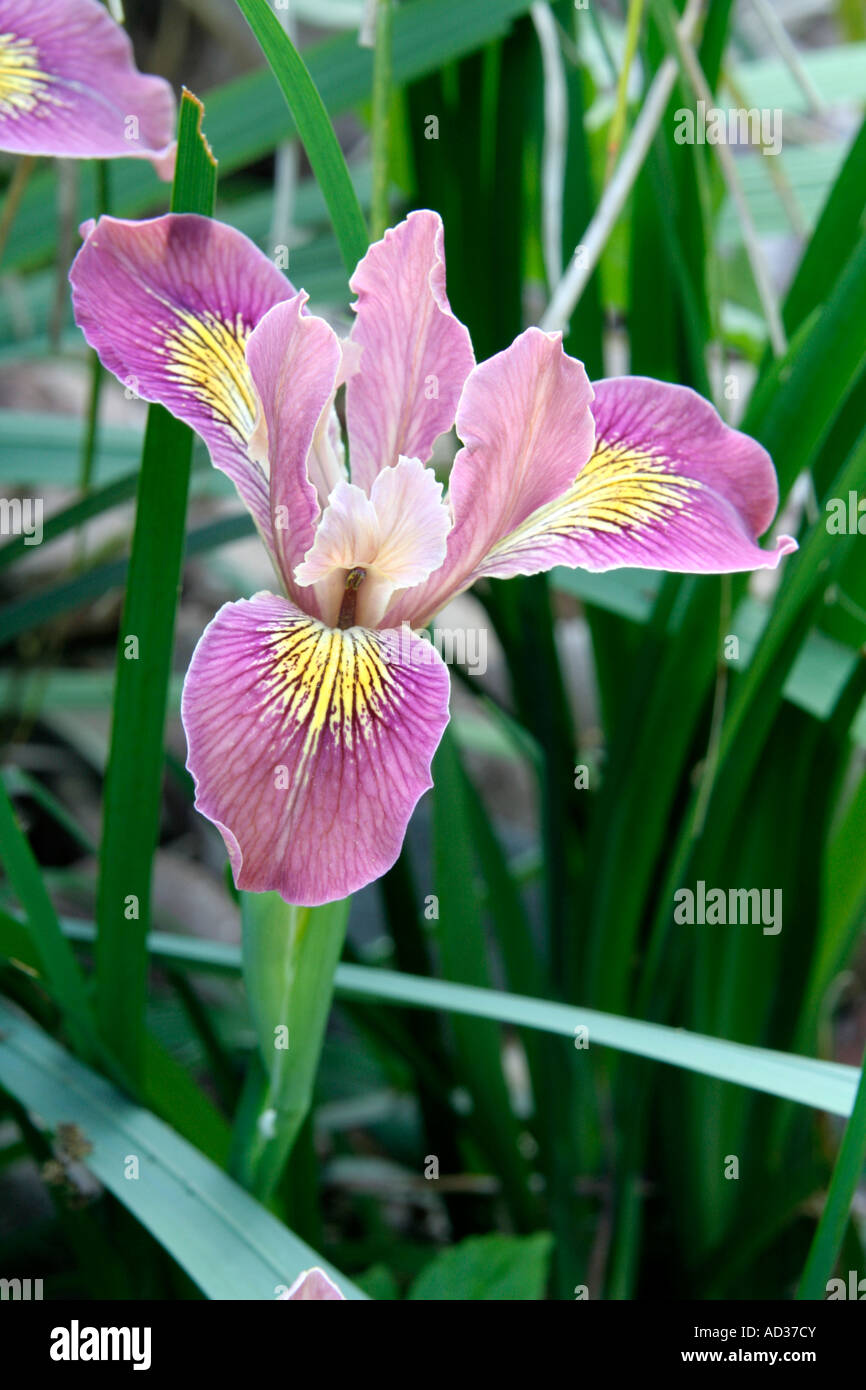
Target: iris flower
{"type": "Point", "coordinates": [69, 86]}
{"type": "Point", "coordinates": [312, 715]}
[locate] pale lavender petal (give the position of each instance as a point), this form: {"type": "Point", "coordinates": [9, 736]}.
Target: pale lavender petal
{"type": "Point", "coordinates": [397, 535]}
{"type": "Point", "coordinates": [416, 355]}
{"type": "Point", "coordinates": [169, 304]}
{"type": "Point", "coordinates": [413, 520]}
{"type": "Point", "coordinates": [69, 86]}
{"type": "Point", "coordinates": [527, 429]}
{"type": "Point", "coordinates": [310, 746]}
{"type": "Point", "coordinates": [294, 359]}
{"type": "Point", "coordinates": [313, 1284]}
{"type": "Point", "coordinates": [669, 486]}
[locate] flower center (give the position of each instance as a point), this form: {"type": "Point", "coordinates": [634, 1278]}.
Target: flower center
{"type": "Point", "coordinates": [22, 84]}
{"type": "Point", "coordinates": [354, 580]}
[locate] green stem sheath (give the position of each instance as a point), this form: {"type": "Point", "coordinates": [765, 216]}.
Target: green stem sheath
{"type": "Point", "coordinates": [289, 957]}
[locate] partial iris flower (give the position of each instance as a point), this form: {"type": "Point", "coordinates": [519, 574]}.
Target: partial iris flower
{"type": "Point", "coordinates": [313, 1284]}
{"type": "Point", "coordinates": [312, 715]}
{"type": "Point", "coordinates": [69, 86]}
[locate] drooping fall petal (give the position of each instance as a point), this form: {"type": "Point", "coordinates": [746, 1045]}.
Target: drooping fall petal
{"type": "Point", "coordinates": [294, 359]}
{"type": "Point", "coordinates": [310, 746]}
{"type": "Point", "coordinates": [415, 354]}
{"type": "Point", "coordinates": [169, 304]}
{"type": "Point", "coordinates": [669, 486]}
{"type": "Point", "coordinates": [527, 429]}
{"type": "Point", "coordinates": [397, 535]}
{"type": "Point", "coordinates": [69, 86]}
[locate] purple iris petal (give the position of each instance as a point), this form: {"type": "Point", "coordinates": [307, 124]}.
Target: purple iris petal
{"type": "Point", "coordinates": [309, 745]}
{"type": "Point", "coordinates": [312, 724]}
{"type": "Point", "coordinates": [69, 86]}
{"type": "Point", "coordinates": [415, 354]}
{"type": "Point", "coordinates": [169, 304]}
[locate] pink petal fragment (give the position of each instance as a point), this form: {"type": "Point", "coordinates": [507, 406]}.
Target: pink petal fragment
{"type": "Point", "coordinates": [416, 354]}
{"type": "Point", "coordinates": [69, 86]}
{"type": "Point", "coordinates": [527, 429]}
{"type": "Point", "coordinates": [669, 486]}
{"type": "Point", "coordinates": [397, 535]}
{"type": "Point", "coordinates": [309, 746]}
{"type": "Point", "coordinates": [313, 1284]}
{"type": "Point", "coordinates": [168, 304]}
{"type": "Point", "coordinates": [294, 359]}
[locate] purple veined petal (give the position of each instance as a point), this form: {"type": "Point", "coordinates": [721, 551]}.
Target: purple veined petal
{"type": "Point", "coordinates": [415, 354]}
{"type": "Point", "coordinates": [669, 486]}
{"type": "Point", "coordinates": [310, 746]}
{"type": "Point", "coordinates": [397, 535]}
{"type": "Point", "coordinates": [169, 304]}
{"type": "Point", "coordinates": [69, 86]}
{"type": "Point", "coordinates": [527, 428]}
{"type": "Point", "coordinates": [294, 359]}
{"type": "Point", "coordinates": [313, 1284]}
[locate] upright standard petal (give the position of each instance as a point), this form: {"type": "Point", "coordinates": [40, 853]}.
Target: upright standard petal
{"type": "Point", "coordinates": [669, 486]}
{"type": "Point", "coordinates": [310, 746]}
{"type": "Point", "coordinates": [168, 305]}
{"type": "Point", "coordinates": [525, 421]}
{"type": "Point", "coordinates": [415, 354]}
{"type": "Point", "coordinates": [393, 539]}
{"type": "Point", "coordinates": [294, 359]}
{"type": "Point", "coordinates": [69, 86]}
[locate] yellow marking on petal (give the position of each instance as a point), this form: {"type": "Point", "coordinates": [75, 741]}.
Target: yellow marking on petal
{"type": "Point", "coordinates": [23, 85]}
{"type": "Point", "coordinates": [206, 357]}
{"type": "Point", "coordinates": [327, 680]}
{"type": "Point", "coordinates": [620, 489]}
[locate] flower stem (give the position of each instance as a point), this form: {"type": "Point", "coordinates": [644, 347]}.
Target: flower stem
{"type": "Point", "coordinates": [289, 958]}
{"type": "Point", "coordinates": [379, 216]}
{"type": "Point", "coordinates": [88, 451]}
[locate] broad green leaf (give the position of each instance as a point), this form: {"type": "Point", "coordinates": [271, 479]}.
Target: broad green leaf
{"type": "Point", "coordinates": [228, 1244]}
{"type": "Point", "coordinates": [133, 783]}
{"type": "Point", "coordinates": [828, 1086]}
{"type": "Point", "coordinates": [314, 128]}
